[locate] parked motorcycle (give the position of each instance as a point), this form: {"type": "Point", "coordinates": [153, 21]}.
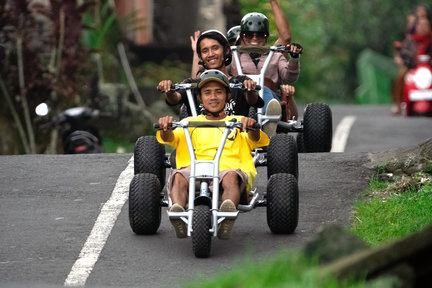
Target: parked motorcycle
{"type": "Point", "coordinates": [418, 88]}
{"type": "Point", "coordinates": [79, 136]}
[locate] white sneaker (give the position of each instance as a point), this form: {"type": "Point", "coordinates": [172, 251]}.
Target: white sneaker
{"type": "Point", "coordinates": [273, 109]}
{"type": "Point", "coordinates": [225, 227]}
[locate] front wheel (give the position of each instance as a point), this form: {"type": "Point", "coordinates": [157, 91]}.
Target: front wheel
{"type": "Point", "coordinates": [201, 236]}
{"type": "Point", "coordinates": [144, 203]}
{"type": "Point", "coordinates": [282, 203]}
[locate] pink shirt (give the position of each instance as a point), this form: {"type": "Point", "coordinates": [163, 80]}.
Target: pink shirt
{"type": "Point", "coordinates": [278, 70]}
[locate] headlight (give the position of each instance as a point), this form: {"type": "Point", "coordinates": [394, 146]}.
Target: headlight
{"type": "Point", "coordinates": [42, 109]}
{"type": "Point", "coordinates": [423, 78]}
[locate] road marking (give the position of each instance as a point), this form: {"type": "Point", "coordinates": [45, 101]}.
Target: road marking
{"type": "Point", "coordinates": [92, 248]}
{"type": "Point", "coordinates": [342, 132]}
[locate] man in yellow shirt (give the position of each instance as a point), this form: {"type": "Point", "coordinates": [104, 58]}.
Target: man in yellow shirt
{"type": "Point", "coordinates": [237, 170]}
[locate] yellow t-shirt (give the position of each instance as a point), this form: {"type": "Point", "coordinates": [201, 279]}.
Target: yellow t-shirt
{"type": "Point", "coordinates": [236, 153]}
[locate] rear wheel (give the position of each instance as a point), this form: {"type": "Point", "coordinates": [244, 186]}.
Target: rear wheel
{"type": "Point", "coordinates": [282, 203]}
{"type": "Point", "coordinates": [149, 157]}
{"type": "Point", "coordinates": [317, 125]}
{"type": "Point", "coordinates": [144, 203]}
{"type": "Point", "coordinates": [201, 236]}
{"type": "Point", "coordinates": [282, 156]}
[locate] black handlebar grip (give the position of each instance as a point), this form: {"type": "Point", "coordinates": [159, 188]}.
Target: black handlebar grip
{"type": "Point", "coordinates": [172, 87]}
{"type": "Point", "coordinates": [256, 125]}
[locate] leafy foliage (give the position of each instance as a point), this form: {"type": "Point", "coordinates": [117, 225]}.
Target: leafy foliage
{"type": "Point", "coordinates": [43, 61]}
{"type": "Point", "coordinates": [56, 53]}
{"type": "Point", "coordinates": [103, 31]}
{"type": "Point", "coordinates": [333, 33]}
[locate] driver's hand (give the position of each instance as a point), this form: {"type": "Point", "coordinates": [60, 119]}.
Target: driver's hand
{"type": "Point", "coordinates": [295, 50]}
{"type": "Point", "coordinates": [165, 122]}
{"type": "Point", "coordinates": [247, 123]}
{"type": "Point", "coordinates": [164, 86]}
{"type": "Point", "coordinates": [287, 89]}
{"type": "Point", "coordinates": [249, 84]}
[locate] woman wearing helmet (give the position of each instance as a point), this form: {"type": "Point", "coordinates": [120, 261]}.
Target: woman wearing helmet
{"type": "Point", "coordinates": [214, 52]}
{"type": "Point", "coordinates": [254, 31]}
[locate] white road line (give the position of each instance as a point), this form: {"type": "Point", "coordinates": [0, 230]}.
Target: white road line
{"type": "Point", "coordinates": [342, 132]}
{"type": "Point", "coordinates": [101, 230]}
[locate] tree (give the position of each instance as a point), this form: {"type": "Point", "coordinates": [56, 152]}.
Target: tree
{"type": "Point", "coordinates": [333, 33]}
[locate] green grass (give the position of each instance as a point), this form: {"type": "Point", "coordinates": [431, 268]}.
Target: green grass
{"type": "Point", "coordinates": [112, 145]}
{"type": "Point", "coordinates": [376, 184]}
{"type": "Point", "coordinates": [288, 269]}
{"type": "Point", "coordinates": [395, 210]}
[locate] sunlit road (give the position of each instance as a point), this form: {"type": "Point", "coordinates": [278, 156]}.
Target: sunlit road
{"type": "Point", "coordinates": [49, 205]}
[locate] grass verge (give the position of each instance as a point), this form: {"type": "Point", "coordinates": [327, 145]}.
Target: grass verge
{"type": "Point", "coordinates": [288, 269]}
{"type": "Point", "coordinates": [395, 207]}
{"type": "Point", "coordinates": [112, 145]}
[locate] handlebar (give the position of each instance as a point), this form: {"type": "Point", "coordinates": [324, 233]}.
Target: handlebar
{"type": "Point", "coordinates": [208, 124]}
{"type": "Point", "coordinates": [262, 49]}
{"type": "Point", "coordinates": [186, 86]}
{"type": "Point", "coordinates": [241, 86]}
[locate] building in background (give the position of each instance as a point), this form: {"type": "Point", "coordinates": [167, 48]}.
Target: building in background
{"type": "Point", "coordinates": [171, 22]}
{"type": "Point", "coordinates": [144, 11]}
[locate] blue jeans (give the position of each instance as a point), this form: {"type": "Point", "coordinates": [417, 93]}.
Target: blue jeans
{"type": "Point", "coordinates": [268, 95]}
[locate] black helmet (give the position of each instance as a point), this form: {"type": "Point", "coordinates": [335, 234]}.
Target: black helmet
{"type": "Point", "coordinates": [255, 22]}
{"type": "Point", "coordinates": [233, 33]}
{"type": "Point", "coordinates": [218, 36]}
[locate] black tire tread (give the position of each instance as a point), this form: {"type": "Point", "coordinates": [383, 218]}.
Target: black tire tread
{"type": "Point", "coordinates": [144, 204]}
{"type": "Point", "coordinates": [282, 155]}
{"type": "Point", "coordinates": [149, 157]}
{"type": "Point", "coordinates": [282, 203]}
{"type": "Point", "coordinates": [317, 134]}
{"type": "Point", "coordinates": [300, 142]}
{"type": "Point", "coordinates": [201, 236]}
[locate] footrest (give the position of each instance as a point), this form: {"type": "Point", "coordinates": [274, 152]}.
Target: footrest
{"type": "Point", "coordinates": [226, 215]}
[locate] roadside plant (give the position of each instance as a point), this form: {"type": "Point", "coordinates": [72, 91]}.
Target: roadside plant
{"type": "Point", "coordinates": [42, 61]}
{"type": "Point", "coordinates": [395, 207]}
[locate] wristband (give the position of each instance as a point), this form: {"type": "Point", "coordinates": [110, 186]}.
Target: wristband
{"type": "Point", "coordinates": [295, 59]}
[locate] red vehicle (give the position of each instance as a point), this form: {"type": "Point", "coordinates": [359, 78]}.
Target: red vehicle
{"type": "Point", "coordinates": [418, 88]}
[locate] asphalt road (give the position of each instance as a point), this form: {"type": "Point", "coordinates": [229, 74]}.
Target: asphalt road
{"type": "Point", "coordinates": [49, 205]}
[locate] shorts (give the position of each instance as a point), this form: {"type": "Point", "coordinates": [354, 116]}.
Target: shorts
{"type": "Point", "coordinates": [186, 173]}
